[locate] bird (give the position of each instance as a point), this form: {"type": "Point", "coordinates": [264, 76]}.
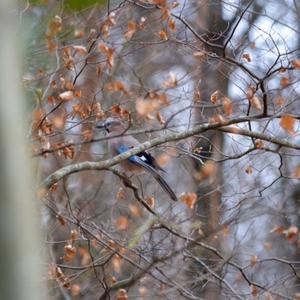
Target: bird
{"type": "Point", "coordinates": [138, 162]}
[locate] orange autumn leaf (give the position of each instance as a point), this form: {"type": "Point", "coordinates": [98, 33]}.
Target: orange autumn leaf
{"type": "Point", "coordinates": [189, 199]}
{"type": "Point", "coordinates": [131, 29]}
{"type": "Point", "coordinates": [228, 107]}
{"type": "Point", "coordinates": [255, 102]}
{"type": "Point", "coordinates": [296, 63]}
{"type": "Point", "coordinates": [117, 86]}
{"type": "Point", "coordinates": [69, 152]}
{"type": "Point", "coordinates": [284, 82]}
{"type": "Point", "coordinates": [122, 223]}
{"type": "Point", "coordinates": [163, 35]}
{"type": "Point", "coordinates": [171, 24]}
{"type": "Point", "coordinates": [109, 52]}
{"type": "Point", "coordinates": [278, 230]}
{"type": "Point", "coordinates": [151, 201]}
{"type": "Point", "coordinates": [67, 95]}
{"type": "Point", "coordinates": [254, 290]}
{"type": "Point", "coordinates": [296, 172]}
{"type": "Point", "coordinates": [135, 210]}
{"type": "Point", "coordinates": [80, 50]}
{"type": "Point", "coordinates": [160, 118]}
{"type": "Point", "coordinates": [143, 291]}
{"type": "Point", "coordinates": [200, 55]}
{"type": "Point", "coordinates": [287, 123]}
{"type": "Point", "coordinates": [279, 101]}
{"type": "Point", "coordinates": [85, 256]}
{"type": "Point", "coordinates": [247, 57]}
{"type": "Point", "coordinates": [214, 98]}
{"type": "Point", "coordinates": [144, 107]}
{"type": "Point", "coordinates": [291, 232]}
{"type": "Point", "coordinates": [73, 235]}
{"type": "Point", "coordinates": [171, 81]}
{"type": "Point", "coordinates": [163, 159]}
{"type": "Point", "coordinates": [118, 110]}
{"type": "Point", "coordinates": [253, 260]}
{"type": "Point", "coordinates": [209, 168]}
{"type": "Point", "coordinates": [70, 252]}
{"type": "Point", "coordinates": [75, 290]}
{"type": "Point", "coordinates": [122, 294]}
{"type": "Point", "coordinates": [259, 144]}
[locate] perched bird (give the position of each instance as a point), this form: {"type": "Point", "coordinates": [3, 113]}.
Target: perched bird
{"type": "Point", "coordinates": [136, 163]}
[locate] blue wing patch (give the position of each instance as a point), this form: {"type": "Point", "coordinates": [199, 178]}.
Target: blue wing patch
{"type": "Point", "coordinates": [123, 149]}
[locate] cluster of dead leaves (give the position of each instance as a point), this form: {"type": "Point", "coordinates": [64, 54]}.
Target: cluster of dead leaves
{"type": "Point", "coordinates": [190, 199]}
{"type": "Point", "coordinates": [133, 26]}
{"type": "Point", "coordinates": [289, 233]}
{"type": "Point", "coordinates": [108, 23]}
{"type": "Point", "coordinates": [117, 86]}
{"type": "Point", "coordinates": [109, 52]}
{"type": "Point", "coordinates": [54, 27]}
{"type": "Point", "coordinates": [150, 105]}
{"type": "Point", "coordinates": [253, 99]}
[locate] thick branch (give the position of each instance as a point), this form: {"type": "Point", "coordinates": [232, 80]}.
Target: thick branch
{"type": "Point", "coordinates": [170, 137]}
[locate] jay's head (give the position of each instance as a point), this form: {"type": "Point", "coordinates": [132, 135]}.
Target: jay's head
{"type": "Point", "coordinates": [112, 125]}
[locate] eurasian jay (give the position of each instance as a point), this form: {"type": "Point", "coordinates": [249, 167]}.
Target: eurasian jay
{"type": "Point", "coordinates": [136, 163]}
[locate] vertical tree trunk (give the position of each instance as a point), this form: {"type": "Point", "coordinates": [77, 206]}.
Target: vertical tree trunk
{"type": "Point", "coordinates": [20, 277]}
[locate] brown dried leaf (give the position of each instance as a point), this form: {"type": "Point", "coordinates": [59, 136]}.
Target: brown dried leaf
{"type": "Point", "coordinates": [143, 291]}
{"type": "Point", "coordinates": [145, 108]}
{"type": "Point", "coordinates": [131, 29]}
{"type": "Point", "coordinates": [78, 33]}
{"type": "Point", "coordinates": [247, 57]}
{"type": "Point", "coordinates": [135, 210]}
{"type": "Point", "coordinates": [296, 63]}
{"type": "Point", "coordinates": [254, 290]}
{"type": "Point", "coordinates": [249, 170]}
{"type": "Point", "coordinates": [151, 201]}
{"type": "Point", "coordinates": [279, 101]}
{"type": "Point", "coordinates": [284, 82]}
{"type": "Point", "coordinates": [122, 223]}
{"type": "Point", "coordinates": [75, 290]}
{"type": "Point", "coordinates": [67, 95]}
{"type": "Point", "coordinates": [296, 172]}
{"type": "Point", "coordinates": [214, 98]}
{"type": "Point", "coordinates": [171, 82]}
{"type": "Point", "coordinates": [70, 252]}
{"type": "Point", "coordinates": [253, 260]}
{"type": "Point", "coordinates": [80, 50]}
{"type": "Point", "coordinates": [287, 122]}
{"type": "Point", "coordinates": [255, 102]}
{"type": "Point", "coordinates": [163, 159]}
{"type": "Point", "coordinates": [118, 110]}
{"type": "Point", "coordinates": [117, 86]}
{"type": "Point", "coordinates": [69, 152]}
{"type": "Point", "coordinates": [278, 230]}
{"type": "Point", "coordinates": [259, 144]}
{"type": "Point", "coordinates": [122, 294]}
{"type": "Point", "coordinates": [228, 107]}
{"type": "Point", "coordinates": [291, 232]}
{"type": "Point", "coordinates": [208, 169]}
{"type": "Point", "coordinates": [163, 35]}
{"type": "Point", "coordinates": [85, 256]}
{"type": "Point", "coordinates": [200, 55]}
{"type": "Point", "coordinates": [189, 199]}
{"type": "Point", "coordinates": [54, 26]}
{"type": "Point", "coordinates": [171, 24]}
